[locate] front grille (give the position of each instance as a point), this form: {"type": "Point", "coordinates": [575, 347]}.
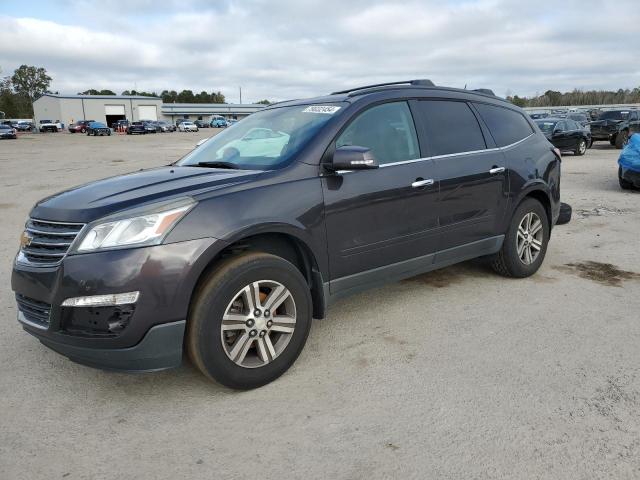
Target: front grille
{"type": "Point", "coordinates": [49, 241]}
{"type": "Point", "coordinates": [34, 311]}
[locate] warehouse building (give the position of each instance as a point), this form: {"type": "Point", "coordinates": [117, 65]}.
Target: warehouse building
{"type": "Point", "coordinates": [110, 108]}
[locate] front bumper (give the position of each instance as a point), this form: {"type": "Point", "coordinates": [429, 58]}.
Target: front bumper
{"type": "Point", "coordinates": [630, 176]}
{"type": "Point", "coordinates": [165, 276]}
{"type": "Point", "coordinates": [160, 348]}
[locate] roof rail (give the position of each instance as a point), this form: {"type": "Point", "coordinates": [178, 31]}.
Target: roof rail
{"type": "Point", "coordinates": [419, 82]}
{"type": "Point", "coordinates": [486, 91]}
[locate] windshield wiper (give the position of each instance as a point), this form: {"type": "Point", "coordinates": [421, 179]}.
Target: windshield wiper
{"type": "Point", "coordinates": [219, 164]}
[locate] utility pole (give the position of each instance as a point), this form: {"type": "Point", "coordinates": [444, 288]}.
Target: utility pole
{"type": "Point", "coordinates": [240, 95]}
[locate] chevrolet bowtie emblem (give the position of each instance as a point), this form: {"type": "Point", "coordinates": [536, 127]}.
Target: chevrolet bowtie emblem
{"type": "Point", "coordinates": [25, 240]}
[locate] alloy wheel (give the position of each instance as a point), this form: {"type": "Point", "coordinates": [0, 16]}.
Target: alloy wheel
{"type": "Point", "coordinates": [529, 238]}
{"type": "Point", "coordinates": [258, 323]}
{"type": "Point", "coordinates": [582, 147]}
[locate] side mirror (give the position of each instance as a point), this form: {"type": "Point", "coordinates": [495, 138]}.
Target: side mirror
{"type": "Point", "coordinates": [352, 157]}
{"type": "Point", "coordinates": [557, 131]}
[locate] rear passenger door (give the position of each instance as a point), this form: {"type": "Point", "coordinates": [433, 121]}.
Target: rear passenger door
{"type": "Point", "coordinates": [472, 173]}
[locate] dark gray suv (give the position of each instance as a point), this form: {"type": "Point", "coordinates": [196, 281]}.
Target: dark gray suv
{"type": "Point", "coordinates": [230, 252]}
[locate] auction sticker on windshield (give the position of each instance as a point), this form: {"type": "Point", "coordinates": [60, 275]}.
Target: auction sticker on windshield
{"type": "Point", "coordinates": [328, 109]}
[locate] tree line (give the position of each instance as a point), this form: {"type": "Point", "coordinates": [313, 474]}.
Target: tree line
{"type": "Point", "coordinates": [18, 91]}
{"type": "Point", "coordinates": [552, 98]}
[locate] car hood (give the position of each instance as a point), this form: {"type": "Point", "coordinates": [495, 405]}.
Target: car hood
{"type": "Point", "coordinates": [97, 199]}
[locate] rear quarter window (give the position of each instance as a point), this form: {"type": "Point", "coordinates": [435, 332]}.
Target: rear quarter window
{"type": "Point", "coordinates": [507, 126]}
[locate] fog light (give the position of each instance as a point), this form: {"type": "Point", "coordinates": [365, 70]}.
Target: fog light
{"type": "Point", "coordinates": [102, 300]}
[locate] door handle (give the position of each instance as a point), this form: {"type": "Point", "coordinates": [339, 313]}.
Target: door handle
{"type": "Point", "coordinates": [422, 183]}
{"type": "Point", "coordinates": [495, 170]}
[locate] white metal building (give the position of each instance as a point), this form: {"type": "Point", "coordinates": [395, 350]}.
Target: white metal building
{"type": "Point", "coordinates": [110, 108]}
{"type": "Point", "coordinates": [107, 108]}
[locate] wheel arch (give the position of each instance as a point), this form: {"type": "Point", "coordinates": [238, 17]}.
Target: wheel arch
{"type": "Point", "coordinates": [540, 192]}
{"type": "Point", "coordinates": [282, 242]}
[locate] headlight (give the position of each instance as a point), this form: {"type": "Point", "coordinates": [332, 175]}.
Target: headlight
{"type": "Point", "coordinates": [133, 231]}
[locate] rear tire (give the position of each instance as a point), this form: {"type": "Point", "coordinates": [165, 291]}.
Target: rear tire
{"type": "Point", "coordinates": [211, 348]}
{"type": "Point", "coordinates": [512, 260]}
{"type": "Point", "coordinates": [622, 138]}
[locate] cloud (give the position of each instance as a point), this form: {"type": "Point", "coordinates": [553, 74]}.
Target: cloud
{"type": "Point", "coordinates": [282, 49]}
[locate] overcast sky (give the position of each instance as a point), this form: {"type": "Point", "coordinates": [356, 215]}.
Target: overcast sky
{"type": "Point", "coordinates": [280, 49]}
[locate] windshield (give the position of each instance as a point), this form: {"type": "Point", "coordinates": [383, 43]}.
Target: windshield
{"type": "Point", "coordinates": [97, 125]}
{"type": "Point", "coordinates": [546, 127]}
{"type": "Point", "coordinates": [614, 115]}
{"type": "Point", "coordinates": [264, 140]}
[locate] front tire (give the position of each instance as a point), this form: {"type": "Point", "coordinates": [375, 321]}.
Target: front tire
{"type": "Point", "coordinates": [249, 320]}
{"type": "Point", "coordinates": [622, 138]}
{"type": "Point", "coordinates": [581, 148]}
{"type": "Point", "coordinates": [525, 243]}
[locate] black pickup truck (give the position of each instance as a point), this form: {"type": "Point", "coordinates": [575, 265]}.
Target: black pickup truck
{"type": "Point", "coordinates": [616, 126]}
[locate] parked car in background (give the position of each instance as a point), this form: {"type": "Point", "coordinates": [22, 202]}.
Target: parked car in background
{"type": "Point", "coordinates": [201, 124]}
{"type": "Point", "coordinates": [187, 126]}
{"type": "Point", "coordinates": [180, 120]}
{"type": "Point", "coordinates": [228, 255]}
{"type": "Point", "coordinates": [98, 128]}
{"type": "Point", "coordinates": [581, 118]}
{"type": "Point", "coordinates": [24, 126]}
{"type": "Point", "coordinates": [629, 164]}
{"type": "Point", "coordinates": [218, 122]}
{"type": "Point", "coordinates": [152, 126]}
{"type": "Point", "coordinates": [616, 126]}
{"type": "Point", "coordinates": [166, 127]}
{"type": "Point", "coordinates": [49, 126]}
{"type": "Point", "coordinates": [80, 126]}
{"type": "Point", "coordinates": [120, 124]}
{"type": "Point", "coordinates": [7, 132]}
{"type": "Point", "coordinates": [538, 115]}
{"type": "Point", "coordinates": [565, 134]}
{"type": "Point", "coordinates": [138, 128]}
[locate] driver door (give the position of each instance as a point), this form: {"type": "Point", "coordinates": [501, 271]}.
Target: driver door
{"type": "Point", "coordinates": [380, 222]}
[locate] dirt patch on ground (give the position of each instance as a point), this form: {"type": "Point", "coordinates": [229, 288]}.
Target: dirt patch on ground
{"type": "Point", "coordinates": [603, 273]}
{"type": "Point", "coordinates": [451, 275]}
{"type": "Point", "coordinates": [599, 211]}
{"type": "Point", "coordinates": [4, 206]}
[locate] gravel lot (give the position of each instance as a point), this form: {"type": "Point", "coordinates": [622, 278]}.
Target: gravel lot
{"type": "Point", "coordinates": [455, 374]}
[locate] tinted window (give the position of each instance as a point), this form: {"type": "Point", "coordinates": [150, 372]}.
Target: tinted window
{"type": "Point", "coordinates": [451, 127]}
{"type": "Point", "coordinates": [614, 115]}
{"type": "Point", "coordinates": [547, 127]}
{"type": "Point", "coordinates": [507, 126]}
{"type": "Point", "coordinates": [386, 129]}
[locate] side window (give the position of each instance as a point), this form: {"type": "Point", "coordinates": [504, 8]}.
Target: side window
{"type": "Point", "coordinates": [451, 127]}
{"type": "Point", "coordinates": [386, 129]}
{"type": "Point", "coordinates": [507, 126]}
{"type": "Point", "coordinates": [561, 126]}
